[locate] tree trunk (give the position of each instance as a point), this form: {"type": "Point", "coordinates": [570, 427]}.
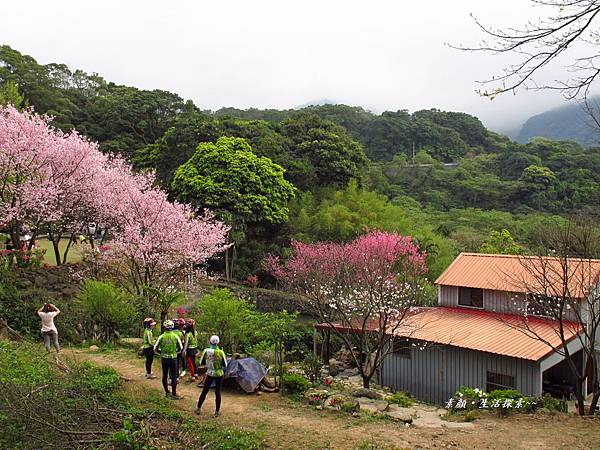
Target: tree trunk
{"type": "Point", "coordinates": [366, 381]}
{"type": "Point", "coordinates": [66, 254]}
{"type": "Point", "coordinates": [233, 258]}
{"type": "Point", "coordinates": [594, 403]}
{"type": "Point", "coordinates": [580, 399]}
{"type": "Point", "coordinates": [227, 265]}
{"type": "Point", "coordinates": [56, 250]}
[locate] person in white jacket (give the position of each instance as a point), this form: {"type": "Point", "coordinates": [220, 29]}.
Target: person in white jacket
{"type": "Point", "coordinates": [47, 313]}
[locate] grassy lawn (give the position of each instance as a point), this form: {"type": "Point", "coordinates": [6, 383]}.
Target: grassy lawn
{"type": "Point", "coordinates": [74, 252]}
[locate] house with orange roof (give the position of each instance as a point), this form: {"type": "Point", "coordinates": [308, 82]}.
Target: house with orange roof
{"type": "Point", "coordinates": [475, 337]}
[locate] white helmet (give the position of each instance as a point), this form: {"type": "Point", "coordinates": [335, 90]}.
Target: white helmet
{"type": "Point", "coordinates": [214, 340]}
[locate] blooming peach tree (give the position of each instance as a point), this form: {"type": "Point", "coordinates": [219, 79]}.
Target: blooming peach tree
{"type": "Point", "coordinates": [54, 182]}
{"type": "Point", "coordinates": [48, 179]}
{"type": "Point", "coordinates": [156, 243]}
{"type": "Point", "coordinates": [363, 291]}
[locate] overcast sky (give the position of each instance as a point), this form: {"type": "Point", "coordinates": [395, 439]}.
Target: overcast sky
{"type": "Point", "coordinates": [382, 55]}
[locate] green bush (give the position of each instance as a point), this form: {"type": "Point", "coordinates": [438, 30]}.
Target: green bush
{"type": "Point", "coordinates": [18, 307]}
{"type": "Point", "coordinates": [264, 352]}
{"type": "Point", "coordinates": [109, 311]}
{"type": "Point", "coordinates": [549, 403]}
{"type": "Point", "coordinates": [294, 384]}
{"type": "Point", "coordinates": [471, 398]}
{"type": "Point", "coordinates": [312, 367]}
{"type": "Point", "coordinates": [504, 394]}
{"type": "Point", "coordinates": [498, 397]}
{"type": "Point", "coordinates": [401, 398]}
{"type": "Point", "coordinates": [225, 315]}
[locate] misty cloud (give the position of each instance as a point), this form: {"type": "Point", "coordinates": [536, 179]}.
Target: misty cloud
{"type": "Point", "coordinates": [272, 54]}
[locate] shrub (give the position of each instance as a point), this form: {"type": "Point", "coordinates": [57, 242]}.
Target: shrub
{"type": "Point", "coordinates": [264, 352]}
{"type": "Point", "coordinates": [18, 312]}
{"type": "Point", "coordinates": [549, 403]}
{"type": "Point", "coordinates": [221, 313]}
{"type": "Point", "coordinates": [108, 309]}
{"type": "Point", "coordinates": [471, 398]}
{"type": "Point", "coordinates": [401, 398]}
{"type": "Point", "coordinates": [498, 398]}
{"type": "Point", "coordinates": [294, 384]}
{"type": "Point", "coordinates": [312, 367]}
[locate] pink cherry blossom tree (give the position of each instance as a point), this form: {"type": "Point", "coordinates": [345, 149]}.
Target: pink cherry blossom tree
{"type": "Point", "coordinates": [362, 290]}
{"type": "Point", "coordinates": [156, 243]}
{"type": "Point", "coordinates": [49, 180]}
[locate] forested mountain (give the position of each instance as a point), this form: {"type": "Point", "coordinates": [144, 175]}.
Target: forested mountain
{"type": "Point", "coordinates": [326, 172]}
{"type": "Point", "coordinates": [569, 122]}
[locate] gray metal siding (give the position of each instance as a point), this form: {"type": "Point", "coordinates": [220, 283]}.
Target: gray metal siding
{"type": "Point", "coordinates": [497, 301]}
{"type": "Point", "coordinates": [435, 373]}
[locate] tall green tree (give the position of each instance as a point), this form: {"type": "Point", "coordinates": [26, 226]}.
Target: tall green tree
{"type": "Point", "coordinates": [246, 190]}
{"type": "Point", "coordinates": [324, 153]}
{"type": "Point", "coordinates": [501, 243]}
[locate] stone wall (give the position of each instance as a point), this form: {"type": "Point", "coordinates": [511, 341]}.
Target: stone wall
{"type": "Point", "coordinates": [59, 282]}
{"type": "Point", "coordinates": [265, 300]}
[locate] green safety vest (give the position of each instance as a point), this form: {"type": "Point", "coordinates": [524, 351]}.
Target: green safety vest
{"type": "Point", "coordinates": [148, 338]}
{"type": "Point", "coordinates": [180, 335]}
{"type": "Point", "coordinates": [215, 361]}
{"type": "Point", "coordinates": [168, 343]}
{"type": "Point", "coordinates": [191, 339]}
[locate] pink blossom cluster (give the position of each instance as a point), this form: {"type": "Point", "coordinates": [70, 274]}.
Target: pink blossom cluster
{"type": "Point", "coordinates": [56, 182]}
{"type": "Point", "coordinates": [374, 276]}
{"type": "Point", "coordinates": [376, 254]}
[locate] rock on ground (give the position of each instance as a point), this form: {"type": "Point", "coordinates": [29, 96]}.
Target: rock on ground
{"type": "Point", "coordinates": [368, 393]}
{"type": "Point", "coordinates": [373, 406]}
{"type": "Point", "coordinates": [401, 414]}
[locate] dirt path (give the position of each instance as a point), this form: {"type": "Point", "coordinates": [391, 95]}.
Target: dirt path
{"type": "Point", "coordinates": [290, 425]}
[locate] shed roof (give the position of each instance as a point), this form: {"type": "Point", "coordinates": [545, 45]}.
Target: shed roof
{"type": "Point", "coordinates": [485, 331]}
{"type": "Point", "coordinates": [516, 273]}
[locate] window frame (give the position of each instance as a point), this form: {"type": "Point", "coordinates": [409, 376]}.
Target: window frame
{"type": "Point", "coordinates": [470, 304]}
{"type": "Point", "coordinates": [498, 381]}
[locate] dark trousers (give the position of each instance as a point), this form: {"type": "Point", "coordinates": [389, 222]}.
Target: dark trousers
{"type": "Point", "coordinates": [169, 368]}
{"type": "Point", "coordinates": [149, 354]}
{"type": "Point", "coordinates": [180, 363]}
{"type": "Point", "coordinates": [207, 382]}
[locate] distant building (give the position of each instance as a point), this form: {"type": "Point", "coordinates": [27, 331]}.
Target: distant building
{"type": "Point", "coordinates": [472, 337]}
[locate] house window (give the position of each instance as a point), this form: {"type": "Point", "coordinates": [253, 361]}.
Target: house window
{"type": "Point", "coordinates": [496, 381]}
{"type": "Point", "coordinates": [470, 297]}
{"type": "Point", "coordinates": [401, 347]}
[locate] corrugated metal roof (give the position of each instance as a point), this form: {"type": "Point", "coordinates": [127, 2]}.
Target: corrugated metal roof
{"type": "Point", "coordinates": [514, 273]}
{"type": "Point", "coordinates": [485, 331]}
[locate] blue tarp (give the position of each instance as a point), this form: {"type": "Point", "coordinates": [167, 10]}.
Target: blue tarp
{"type": "Point", "coordinates": [247, 371]}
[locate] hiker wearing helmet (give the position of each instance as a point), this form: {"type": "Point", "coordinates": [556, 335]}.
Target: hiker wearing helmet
{"type": "Point", "coordinates": [190, 348]}
{"type": "Point", "coordinates": [179, 330]}
{"type": "Point", "coordinates": [216, 362]}
{"type": "Point", "coordinates": [168, 344]}
{"type": "Point", "coordinates": [148, 346]}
